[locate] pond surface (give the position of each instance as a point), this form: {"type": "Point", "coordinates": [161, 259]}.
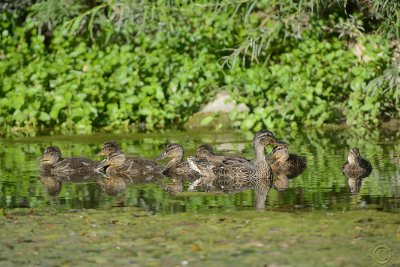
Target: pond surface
{"type": "Point", "coordinates": [321, 187]}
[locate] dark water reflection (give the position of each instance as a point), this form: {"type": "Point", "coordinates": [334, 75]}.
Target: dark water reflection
{"type": "Point", "coordinates": [321, 186]}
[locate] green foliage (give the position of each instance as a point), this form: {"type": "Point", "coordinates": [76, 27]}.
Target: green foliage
{"type": "Point", "coordinates": [313, 82]}
{"type": "Point", "coordinates": [75, 66]}
{"type": "Point", "coordinates": [155, 82]}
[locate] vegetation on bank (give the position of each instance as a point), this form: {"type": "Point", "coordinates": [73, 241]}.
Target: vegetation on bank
{"type": "Point", "coordinates": [75, 66]}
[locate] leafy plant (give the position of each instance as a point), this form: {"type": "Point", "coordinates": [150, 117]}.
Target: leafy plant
{"type": "Point", "coordinates": [76, 66]}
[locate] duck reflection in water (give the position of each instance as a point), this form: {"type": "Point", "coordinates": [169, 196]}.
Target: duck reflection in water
{"type": "Point", "coordinates": [53, 183]}
{"type": "Point", "coordinates": [285, 166]}
{"type": "Point", "coordinates": [113, 185]}
{"type": "Point", "coordinates": [173, 186]}
{"type": "Point", "coordinates": [236, 174]}
{"type": "Point", "coordinates": [355, 169]}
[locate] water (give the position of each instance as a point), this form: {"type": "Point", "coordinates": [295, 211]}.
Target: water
{"type": "Point", "coordinates": [321, 187]}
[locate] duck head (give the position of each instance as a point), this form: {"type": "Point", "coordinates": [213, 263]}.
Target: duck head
{"type": "Point", "coordinates": [114, 156]}
{"type": "Point", "coordinates": [265, 138]}
{"type": "Point", "coordinates": [51, 155]}
{"type": "Point", "coordinates": [174, 151]}
{"type": "Point", "coordinates": [280, 153]}
{"type": "Point", "coordinates": [108, 148]}
{"type": "Point", "coordinates": [354, 156]}
{"type": "Point", "coordinates": [204, 150]}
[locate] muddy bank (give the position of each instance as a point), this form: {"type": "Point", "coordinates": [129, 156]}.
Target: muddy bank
{"type": "Point", "coordinates": [129, 236]}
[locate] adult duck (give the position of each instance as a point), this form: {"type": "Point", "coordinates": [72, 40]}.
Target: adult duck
{"type": "Point", "coordinates": [237, 174]}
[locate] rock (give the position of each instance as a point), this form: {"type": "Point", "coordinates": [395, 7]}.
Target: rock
{"type": "Point", "coordinates": [222, 102]}
{"type": "Point", "coordinates": [215, 115]}
{"type": "Point", "coordinates": [392, 124]}
{"type": "Point", "coordinates": [209, 120]}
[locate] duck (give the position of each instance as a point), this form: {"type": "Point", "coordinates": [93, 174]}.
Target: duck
{"type": "Point", "coordinates": [206, 151]}
{"type": "Point", "coordinates": [53, 162]}
{"type": "Point", "coordinates": [355, 169]}
{"type": "Point", "coordinates": [177, 166]}
{"type": "Point", "coordinates": [235, 174]}
{"type": "Point", "coordinates": [285, 166]}
{"type": "Point", "coordinates": [117, 164]}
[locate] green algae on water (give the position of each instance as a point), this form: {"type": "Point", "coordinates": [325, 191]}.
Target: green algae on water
{"type": "Point", "coordinates": [130, 236]}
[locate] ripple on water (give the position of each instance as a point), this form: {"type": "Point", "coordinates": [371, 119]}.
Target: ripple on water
{"type": "Point", "coordinates": [321, 186]}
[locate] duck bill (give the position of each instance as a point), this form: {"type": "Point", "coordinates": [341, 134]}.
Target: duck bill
{"type": "Point", "coordinates": [100, 153]}
{"type": "Point", "coordinates": [162, 156]}
{"type": "Point", "coordinates": [44, 158]}
{"type": "Point", "coordinates": [277, 142]}
{"type": "Point", "coordinates": [354, 152]}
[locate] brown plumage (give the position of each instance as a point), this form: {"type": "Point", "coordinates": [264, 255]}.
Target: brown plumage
{"type": "Point", "coordinates": [355, 169]}
{"type": "Point", "coordinates": [238, 174]}
{"type": "Point", "coordinates": [206, 151]}
{"type": "Point", "coordinates": [116, 163]}
{"type": "Point", "coordinates": [285, 166]}
{"type": "Point", "coordinates": [291, 165]}
{"type": "Point", "coordinates": [53, 162]}
{"type": "Point", "coordinates": [177, 167]}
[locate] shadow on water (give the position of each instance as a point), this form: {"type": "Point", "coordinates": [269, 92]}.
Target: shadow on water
{"type": "Point", "coordinates": [322, 186]}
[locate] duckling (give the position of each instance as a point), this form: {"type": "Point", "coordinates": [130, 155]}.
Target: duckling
{"type": "Point", "coordinates": [203, 149]}
{"type": "Point", "coordinates": [355, 169]}
{"type": "Point", "coordinates": [177, 167]}
{"type": "Point", "coordinates": [53, 162]}
{"type": "Point", "coordinates": [238, 174]}
{"type": "Point", "coordinates": [117, 164]}
{"type": "Point", "coordinates": [206, 151]}
{"type": "Point", "coordinates": [285, 166]}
